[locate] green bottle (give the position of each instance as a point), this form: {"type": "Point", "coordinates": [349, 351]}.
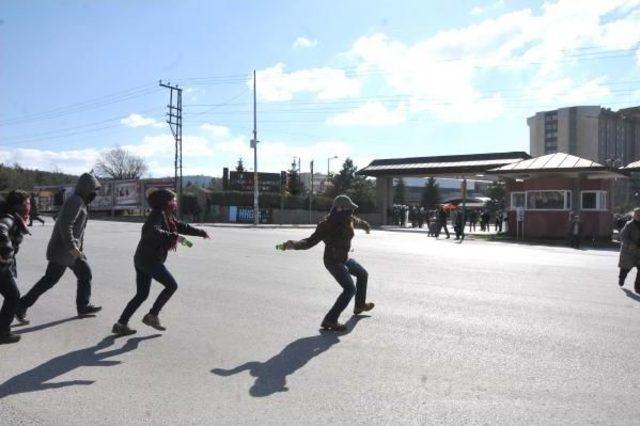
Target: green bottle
{"type": "Point", "coordinates": [186, 242]}
{"type": "Point", "coordinates": [280, 247]}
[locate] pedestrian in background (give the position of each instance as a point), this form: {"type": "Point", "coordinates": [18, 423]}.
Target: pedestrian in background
{"type": "Point", "coordinates": [33, 215]}
{"type": "Point", "coordinates": [14, 214]}
{"type": "Point", "coordinates": [161, 232]}
{"type": "Point", "coordinates": [630, 249]}
{"type": "Point", "coordinates": [337, 231]}
{"type": "Point", "coordinates": [442, 222]}
{"type": "Point", "coordinates": [575, 231]}
{"type": "Point", "coordinates": [65, 250]}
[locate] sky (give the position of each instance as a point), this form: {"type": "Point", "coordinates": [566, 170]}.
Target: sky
{"type": "Point", "coordinates": [348, 78]}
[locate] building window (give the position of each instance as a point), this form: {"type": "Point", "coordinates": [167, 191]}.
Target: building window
{"type": "Point", "coordinates": [593, 200]}
{"type": "Point", "coordinates": [517, 200]}
{"type": "Point", "coordinates": [548, 200]}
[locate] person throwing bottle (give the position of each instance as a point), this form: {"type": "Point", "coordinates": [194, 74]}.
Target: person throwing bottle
{"type": "Point", "coordinates": [336, 231]}
{"type": "Point", "coordinates": [161, 232]}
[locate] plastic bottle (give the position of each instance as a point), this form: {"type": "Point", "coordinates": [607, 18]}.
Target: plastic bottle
{"type": "Point", "coordinates": [280, 247]}
{"type": "Point", "coordinates": [186, 242]}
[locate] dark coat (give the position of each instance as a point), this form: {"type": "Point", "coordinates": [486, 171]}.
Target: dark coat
{"type": "Point", "coordinates": [12, 231]}
{"type": "Point", "coordinates": [629, 250]}
{"type": "Point", "coordinates": [68, 232]}
{"type": "Point", "coordinates": [336, 237]}
{"type": "Point", "coordinates": [156, 239]}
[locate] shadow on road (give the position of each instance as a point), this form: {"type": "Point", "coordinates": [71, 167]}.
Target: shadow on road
{"type": "Point", "coordinates": [271, 375]}
{"type": "Point", "coordinates": [36, 379]}
{"type": "Point", "coordinates": [631, 295]}
{"type": "Point", "coordinates": [22, 329]}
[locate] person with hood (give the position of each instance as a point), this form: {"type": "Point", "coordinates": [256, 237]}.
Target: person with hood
{"type": "Point", "coordinates": [630, 249]}
{"type": "Point", "coordinates": [13, 227]}
{"type": "Point", "coordinates": [65, 250]}
{"type": "Point", "coordinates": [161, 232]}
{"type": "Point", "coordinates": [336, 231]}
{"type": "Point", "coordinates": [33, 215]}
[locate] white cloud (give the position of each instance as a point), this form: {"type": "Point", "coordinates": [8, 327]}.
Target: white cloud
{"type": "Point", "coordinates": [215, 131]}
{"type": "Point", "coordinates": [476, 11]}
{"type": "Point", "coordinates": [305, 42]}
{"type": "Point", "coordinates": [137, 120]}
{"type": "Point", "coordinates": [371, 114]}
{"type": "Point", "coordinates": [274, 84]}
{"type": "Point", "coordinates": [70, 161]}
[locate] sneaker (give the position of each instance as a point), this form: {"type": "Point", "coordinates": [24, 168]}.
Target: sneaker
{"type": "Point", "coordinates": [333, 326]}
{"type": "Point", "coordinates": [122, 329]}
{"type": "Point", "coordinates": [153, 321]}
{"type": "Point", "coordinates": [88, 310]}
{"type": "Point", "coordinates": [21, 315]}
{"type": "Point", "coordinates": [364, 308]}
{"type": "Point", "coordinates": [8, 338]}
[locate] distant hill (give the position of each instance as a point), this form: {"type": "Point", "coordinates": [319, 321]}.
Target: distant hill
{"type": "Point", "coordinates": [15, 177]}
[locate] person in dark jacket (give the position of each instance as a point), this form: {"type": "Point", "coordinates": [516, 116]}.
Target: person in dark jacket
{"type": "Point", "coordinates": [442, 222]}
{"type": "Point", "coordinates": [65, 250]}
{"type": "Point", "coordinates": [336, 231]}
{"type": "Point", "coordinates": [575, 231]}
{"type": "Point", "coordinates": [630, 250]}
{"type": "Point", "coordinates": [33, 215]}
{"type": "Point", "coordinates": [13, 228]}
{"type": "Point", "coordinates": [161, 232]}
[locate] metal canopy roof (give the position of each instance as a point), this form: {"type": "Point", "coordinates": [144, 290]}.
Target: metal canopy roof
{"type": "Point", "coordinates": [445, 165]}
{"type": "Point", "coordinates": [553, 163]}
{"type": "Point", "coordinates": [632, 167]}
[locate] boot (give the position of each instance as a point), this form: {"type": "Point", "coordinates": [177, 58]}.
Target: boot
{"type": "Point", "coordinates": [153, 321]}
{"type": "Point", "coordinates": [8, 338]}
{"type": "Point", "coordinates": [363, 308]}
{"type": "Point", "coordinates": [122, 329]}
{"type": "Point", "coordinates": [333, 326]}
{"type": "Point", "coordinates": [88, 310]}
{"type": "Point", "coordinates": [21, 315]}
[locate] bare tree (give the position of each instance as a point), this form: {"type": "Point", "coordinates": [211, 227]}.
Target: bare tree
{"type": "Point", "coordinates": [120, 164]}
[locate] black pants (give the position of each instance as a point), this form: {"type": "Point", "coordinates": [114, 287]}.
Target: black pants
{"type": "Point", "coordinates": [623, 276]}
{"type": "Point", "coordinates": [342, 273]}
{"type": "Point", "coordinates": [143, 285]}
{"type": "Point", "coordinates": [8, 290]}
{"type": "Point", "coordinates": [37, 218]}
{"type": "Point", "coordinates": [575, 241]}
{"type": "Point", "coordinates": [54, 272]}
{"type": "Point", "coordinates": [440, 226]}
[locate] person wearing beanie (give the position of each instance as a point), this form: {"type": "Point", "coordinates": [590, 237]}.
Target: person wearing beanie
{"type": "Point", "coordinates": [13, 227]}
{"type": "Point", "coordinates": [630, 250]}
{"type": "Point", "coordinates": [336, 231]}
{"type": "Point", "coordinates": [65, 250]}
{"type": "Point", "coordinates": [161, 232]}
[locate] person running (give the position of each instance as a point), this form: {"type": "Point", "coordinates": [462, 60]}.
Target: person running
{"type": "Point", "coordinates": [630, 249]}
{"type": "Point", "coordinates": [13, 227]}
{"type": "Point", "coordinates": [65, 250]}
{"type": "Point", "coordinates": [161, 232]}
{"type": "Point", "coordinates": [336, 231]}
{"type": "Point", "coordinates": [33, 215]}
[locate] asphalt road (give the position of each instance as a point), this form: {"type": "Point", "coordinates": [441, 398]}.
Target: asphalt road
{"type": "Point", "coordinates": [478, 333]}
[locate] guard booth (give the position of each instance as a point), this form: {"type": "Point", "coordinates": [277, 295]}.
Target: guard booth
{"type": "Point", "coordinates": [461, 167]}
{"type": "Point", "coordinates": [543, 194]}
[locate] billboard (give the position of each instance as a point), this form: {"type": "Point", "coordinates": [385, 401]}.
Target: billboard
{"type": "Point", "coordinates": [127, 195]}
{"type": "Point", "coordinates": [243, 181]}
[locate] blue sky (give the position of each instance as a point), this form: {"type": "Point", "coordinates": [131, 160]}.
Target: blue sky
{"type": "Point", "coordinates": [352, 78]}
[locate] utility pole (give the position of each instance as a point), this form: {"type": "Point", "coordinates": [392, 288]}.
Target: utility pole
{"type": "Point", "coordinates": [311, 191]}
{"type": "Point", "coordinates": [254, 145]}
{"type": "Point", "coordinates": [175, 123]}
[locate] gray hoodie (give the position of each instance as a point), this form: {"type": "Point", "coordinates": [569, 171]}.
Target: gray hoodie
{"type": "Point", "coordinates": [68, 232]}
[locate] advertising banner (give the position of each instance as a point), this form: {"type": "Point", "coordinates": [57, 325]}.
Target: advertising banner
{"type": "Point", "coordinates": [127, 194]}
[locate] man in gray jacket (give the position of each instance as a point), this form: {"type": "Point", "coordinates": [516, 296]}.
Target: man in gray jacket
{"type": "Point", "coordinates": [65, 250]}
{"type": "Point", "coordinates": [630, 250]}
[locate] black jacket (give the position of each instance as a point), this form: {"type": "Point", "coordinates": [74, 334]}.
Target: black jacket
{"type": "Point", "coordinates": [156, 237]}
{"type": "Point", "coordinates": [12, 231]}
{"type": "Point", "coordinates": [336, 236]}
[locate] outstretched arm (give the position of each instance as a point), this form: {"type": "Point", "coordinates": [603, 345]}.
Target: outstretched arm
{"type": "Point", "coordinates": [186, 229]}
{"type": "Point", "coordinates": [361, 224]}
{"type": "Point", "coordinates": [306, 243]}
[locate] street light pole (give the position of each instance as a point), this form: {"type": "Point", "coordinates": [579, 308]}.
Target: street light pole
{"type": "Point", "coordinates": [329, 164]}
{"type": "Point", "coordinates": [254, 145]}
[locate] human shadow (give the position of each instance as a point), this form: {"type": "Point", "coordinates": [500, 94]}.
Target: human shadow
{"type": "Point", "coordinates": [37, 379]}
{"type": "Point", "coordinates": [631, 295]}
{"type": "Point", "coordinates": [22, 329]}
{"type": "Point", "coordinates": [271, 375]}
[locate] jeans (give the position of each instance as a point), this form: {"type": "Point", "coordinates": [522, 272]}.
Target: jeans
{"type": "Point", "coordinates": [8, 290]}
{"type": "Point", "coordinates": [143, 285]}
{"type": "Point", "coordinates": [342, 273]}
{"type": "Point", "coordinates": [54, 272]}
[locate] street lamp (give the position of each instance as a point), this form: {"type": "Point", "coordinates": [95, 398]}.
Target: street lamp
{"type": "Point", "coordinates": [329, 164]}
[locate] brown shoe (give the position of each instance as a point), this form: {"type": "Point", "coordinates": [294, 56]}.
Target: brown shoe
{"type": "Point", "coordinates": [363, 308]}
{"type": "Point", "coordinates": [333, 326]}
{"type": "Point", "coordinates": [153, 321]}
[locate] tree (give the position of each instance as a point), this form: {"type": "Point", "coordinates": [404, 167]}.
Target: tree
{"type": "Point", "coordinates": [363, 193]}
{"type": "Point", "coordinates": [240, 166]}
{"type": "Point", "coordinates": [294, 185]}
{"type": "Point", "coordinates": [431, 194]}
{"type": "Point", "coordinates": [400, 192]}
{"type": "Point", "coordinates": [343, 180]}
{"type": "Point", "coordinates": [120, 164]}
{"type": "Point", "coordinates": [496, 192]}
